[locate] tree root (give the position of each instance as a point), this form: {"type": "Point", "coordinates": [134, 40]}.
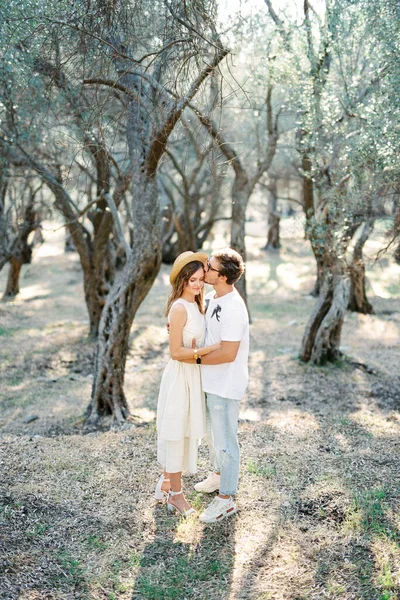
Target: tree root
{"type": "Point", "coordinates": [362, 366]}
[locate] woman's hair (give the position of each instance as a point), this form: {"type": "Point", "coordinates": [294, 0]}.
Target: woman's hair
{"type": "Point", "coordinates": [180, 282]}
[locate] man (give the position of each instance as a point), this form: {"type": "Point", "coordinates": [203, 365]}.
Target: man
{"type": "Point", "coordinates": [225, 378]}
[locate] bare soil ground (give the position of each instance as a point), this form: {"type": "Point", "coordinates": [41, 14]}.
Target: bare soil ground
{"type": "Point", "coordinates": [320, 485]}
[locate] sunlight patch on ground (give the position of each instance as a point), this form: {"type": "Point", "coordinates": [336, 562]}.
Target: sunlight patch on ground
{"type": "Point", "coordinates": [387, 286]}
{"type": "Point", "coordinates": [376, 423]}
{"type": "Point", "coordinates": [258, 271]}
{"type": "Point", "coordinates": [256, 386]}
{"type": "Point", "coordinates": [293, 276]}
{"type": "Point", "coordinates": [286, 567]}
{"type": "Point", "coordinates": [250, 546]}
{"type": "Point", "coordinates": [62, 406]}
{"type": "Point", "coordinates": [293, 421]}
{"type": "Point", "coordinates": [279, 278]}
{"type": "Point", "coordinates": [33, 291]}
{"type": "Point", "coordinates": [374, 328]}
{"type": "Point", "coordinates": [380, 290]}
{"type": "Point", "coordinates": [143, 414]}
{"type": "Point", "coordinates": [49, 249]}
{"type": "Point", "coordinates": [387, 554]}
{"type": "Point", "coordinates": [249, 414]}
{"type": "Point", "coordinates": [342, 441]}
{"type": "Point", "coordinates": [150, 333]}
{"type": "Point", "coordinates": [189, 531]}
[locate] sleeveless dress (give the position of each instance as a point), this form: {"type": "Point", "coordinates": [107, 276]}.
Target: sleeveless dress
{"type": "Point", "coordinates": [181, 417]}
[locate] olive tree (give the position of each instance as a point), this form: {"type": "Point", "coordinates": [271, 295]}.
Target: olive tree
{"type": "Point", "coordinates": [185, 35]}
{"type": "Point", "coordinates": [50, 128]}
{"type": "Point", "coordinates": [338, 72]}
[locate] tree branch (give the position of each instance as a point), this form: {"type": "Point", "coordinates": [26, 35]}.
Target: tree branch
{"type": "Point", "coordinates": [223, 144]}
{"type": "Point", "coordinates": [113, 84]}
{"type": "Point", "coordinates": [118, 227]}
{"type": "Point", "coordinates": [158, 144]}
{"type": "Point", "coordinates": [280, 25]}
{"type": "Point", "coordinates": [191, 28]}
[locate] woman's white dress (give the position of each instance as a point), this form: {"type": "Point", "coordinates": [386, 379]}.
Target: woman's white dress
{"type": "Point", "coordinates": [181, 419]}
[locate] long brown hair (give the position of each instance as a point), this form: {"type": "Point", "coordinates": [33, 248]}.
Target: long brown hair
{"type": "Point", "coordinates": [179, 286]}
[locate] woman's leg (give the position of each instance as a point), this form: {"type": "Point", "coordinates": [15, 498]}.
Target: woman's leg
{"type": "Point", "coordinates": [176, 486]}
{"type": "Point", "coordinates": [166, 484]}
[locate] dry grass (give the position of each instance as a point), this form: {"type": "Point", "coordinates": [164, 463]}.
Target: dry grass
{"type": "Point", "coordinates": [319, 490]}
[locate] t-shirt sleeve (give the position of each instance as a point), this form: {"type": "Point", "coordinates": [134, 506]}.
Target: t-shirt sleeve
{"type": "Point", "coordinates": [234, 324]}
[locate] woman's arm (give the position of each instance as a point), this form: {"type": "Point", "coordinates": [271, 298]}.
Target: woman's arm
{"type": "Point", "coordinates": [177, 321]}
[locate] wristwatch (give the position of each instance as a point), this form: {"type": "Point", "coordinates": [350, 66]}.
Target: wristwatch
{"type": "Point", "coordinates": [198, 360]}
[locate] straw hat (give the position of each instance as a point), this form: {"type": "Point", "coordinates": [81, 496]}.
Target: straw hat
{"type": "Point", "coordinates": [184, 259]}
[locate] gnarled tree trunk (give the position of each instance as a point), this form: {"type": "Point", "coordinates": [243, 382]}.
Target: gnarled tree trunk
{"type": "Point", "coordinates": [16, 262]}
{"type": "Point", "coordinates": [240, 198]}
{"type": "Point", "coordinates": [22, 252]}
{"type": "Point", "coordinates": [146, 143]}
{"type": "Point", "coordinates": [309, 211]}
{"type": "Point", "coordinates": [396, 227]}
{"type": "Point", "coordinates": [274, 218]}
{"type": "Point", "coordinates": [12, 287]}
{"type": "Point", "coordinates": [321, 340]}
{"type": "Point", "coordinates": [124, 299]}
{"type": "Point", "coordinates": [358, 301]}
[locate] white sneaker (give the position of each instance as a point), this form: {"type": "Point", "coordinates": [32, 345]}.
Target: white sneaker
{"type": "Point", "coordinates": [218, 510]}
{"type": "Point", "coordinates": [209, 485]}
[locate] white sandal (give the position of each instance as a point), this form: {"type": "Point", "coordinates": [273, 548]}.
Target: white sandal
{"type": "Point", "coordinates": [172, 508]}
{"type": "Point", "coordinates": [160, 494]}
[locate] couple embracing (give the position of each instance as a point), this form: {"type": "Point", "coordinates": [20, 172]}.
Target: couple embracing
{"type": "Point", "coordinates": [204, 380]}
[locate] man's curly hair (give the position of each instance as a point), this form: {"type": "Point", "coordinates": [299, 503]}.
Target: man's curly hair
{"type": "Point", "coordinates": [232, 265]}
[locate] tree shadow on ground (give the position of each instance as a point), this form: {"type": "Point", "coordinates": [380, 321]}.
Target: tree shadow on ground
{"type": "Point", "coordinates": [39, 553]}
{"type": "Point", "coordinates": [340, 478]}
{"type": "Point", "coordinates": [363, 565]}
{"type": "Point", "coordinates": [186, 559]}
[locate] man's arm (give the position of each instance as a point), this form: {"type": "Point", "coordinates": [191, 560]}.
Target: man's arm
{"type": "Point", "coordinates": [226, 354]}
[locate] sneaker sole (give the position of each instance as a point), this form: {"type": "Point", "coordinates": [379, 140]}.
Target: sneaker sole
{"type": "Point", "coordinates": [208, 490]}
{"type": "Point", "coordinates": [222, 517]}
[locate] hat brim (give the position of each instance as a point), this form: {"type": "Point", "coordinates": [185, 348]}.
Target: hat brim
{"type": "Point", "coordinates": [185, 260]}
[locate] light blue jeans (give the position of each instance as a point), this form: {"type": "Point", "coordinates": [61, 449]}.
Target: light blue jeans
{"type": "Point", "coordinates": [222, 428]}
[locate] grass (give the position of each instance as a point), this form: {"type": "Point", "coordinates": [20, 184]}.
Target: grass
{"type": "Point", "coordinates": [267, 471]}
{"type": "Point", "coordinates": [318, 490]}
{"type": "Point", "coordinates": [37, 530]}
{"type": "Point", "coordinates": [7, 331]}
{"type": "Point", "coordinates": [184, 575]}
{"type": "Point", "coordinates": [72, 571]}
{"type": "Point", "coordinates": [95, 543]}
{"type": "Point", "coordinates": [368, 513]}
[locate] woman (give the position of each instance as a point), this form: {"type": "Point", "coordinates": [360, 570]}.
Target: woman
{"type": "Point", "coordinates": [181, 406]}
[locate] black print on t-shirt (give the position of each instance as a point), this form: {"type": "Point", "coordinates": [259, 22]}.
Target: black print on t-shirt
{"type": "Point", "coordinates": [207, 303]}
{"type": "Point", "coordinates": [216, 312]}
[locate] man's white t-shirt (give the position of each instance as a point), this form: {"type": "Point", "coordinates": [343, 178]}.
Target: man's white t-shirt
{"type": "Point", "coordinates": [227, 320]}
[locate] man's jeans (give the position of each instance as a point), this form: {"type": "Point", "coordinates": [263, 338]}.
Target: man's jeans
{"type": "Point", "coordinates": [222, 428]}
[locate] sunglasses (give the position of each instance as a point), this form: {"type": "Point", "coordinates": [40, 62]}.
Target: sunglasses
{"type": "Point", "coordinates": [211, 268]}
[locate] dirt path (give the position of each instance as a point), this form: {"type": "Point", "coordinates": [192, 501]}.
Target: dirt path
{"type": "Point", "coordinates": [320, 486]}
